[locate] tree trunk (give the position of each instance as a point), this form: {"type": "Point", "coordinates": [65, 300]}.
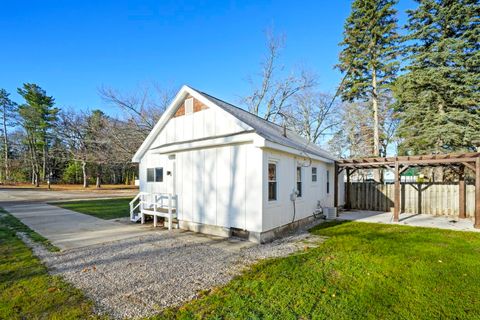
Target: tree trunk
{"type": "Point", "coordinates": [5, 143]}
{"type": "Point", "coordinates": [98, 184]}
{"type": "Point", "coordinates": [377, 174]}
{"type": "Point", "coordinates": [37, 177]}
{"type": "Point", "coordinates": [84, 171]}
{"type": "Point", "coordinates": [44, 164]}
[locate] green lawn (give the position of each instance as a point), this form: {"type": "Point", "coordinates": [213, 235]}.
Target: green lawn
{"type": "Point", "coordinates": [27, 291]}
{"type": "Point", "coordinates": [363, 271]}
{"type": "Point", "coordinates": [101, 208]}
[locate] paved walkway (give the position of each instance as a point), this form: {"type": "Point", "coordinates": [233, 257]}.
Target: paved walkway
{"type": "Point", "coordinates": [418, 220]}
{"type": "Point", "coordinates": [67, 229]}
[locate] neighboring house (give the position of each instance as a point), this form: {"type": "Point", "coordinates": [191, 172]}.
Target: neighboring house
{"type": "Point", "coordinates": [231, 170]}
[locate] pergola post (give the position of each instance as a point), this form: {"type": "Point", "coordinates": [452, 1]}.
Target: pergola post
{"type": "Point", "coordinates": [396, 192]}
{"type": "Point", "coordinates": [461, 193]}
{"type": "Point", "coordinates": [347, 189]}
{"type": "Point", "coordinates": [477, 193]}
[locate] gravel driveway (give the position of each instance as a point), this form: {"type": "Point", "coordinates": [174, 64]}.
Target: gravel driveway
{"type": "Point", "coordinates": [139, 276]}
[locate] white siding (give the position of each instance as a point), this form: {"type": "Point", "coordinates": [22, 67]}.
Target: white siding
{"type": "Point", "coordinates": [202, 124]}
{"type": "Point", "coordinates": [217, 186]}
{"type": "Point", "coordinates": [281, 212]}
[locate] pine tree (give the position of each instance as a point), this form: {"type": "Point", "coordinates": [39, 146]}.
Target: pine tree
{"type": "Point", "coordinates": [368, 58]}
{"type": "Point", "coordinates": [38, 116]}
{"type": "Point", "coordinates": [439, 95]}
{"type": "Point", "coordinates": [8, 109]}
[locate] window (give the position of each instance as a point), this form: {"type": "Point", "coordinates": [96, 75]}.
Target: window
{"type": "Point", "coordinates": [314, 174]}
{"type": "Point", "coordinates": [154, 174]}
{"type": "Point", "coordinates": [272, 181]}
{"type": "Point", "coordinates": [328, 181]}
{"type": "Point", "coordinates": [299, 181]}
{"type": "Point", "coordinates": [158, 174]}
{"type": "Point", "coordinates": [150, 174]}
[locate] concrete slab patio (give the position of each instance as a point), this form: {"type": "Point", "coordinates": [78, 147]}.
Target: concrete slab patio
{"type": "Point", "coordinates": [410, 219]}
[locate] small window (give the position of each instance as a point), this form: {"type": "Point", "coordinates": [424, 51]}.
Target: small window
{"type": "Point", "coordinates": [150, 174]}
{"type": "Point", "coordinates": [158, 174]}
{"type": "Point", "coordinates": [328, 181]}
{"type": "Point", "coordinates": [299, 181]}
{"type": "Point", "coordinates": [272, 181]}
{"type": "Point", "coordinates": [314, 174]}
{"type": "Point", "coordinates": [154, 174]}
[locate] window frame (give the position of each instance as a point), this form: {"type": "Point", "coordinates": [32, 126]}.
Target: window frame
{"type": "Point", "coordinates": [328, 181]}
{"type": "Point", "coordinates": [314, 175]}
{"type": "Point", "coordinates": [298, 174]}
{"type": "Point", "coordinates": [275, 182]}
{"type": "Point", "coordinates": [152, 173]}
{"type": "Point", "coordinates": [161, 176]}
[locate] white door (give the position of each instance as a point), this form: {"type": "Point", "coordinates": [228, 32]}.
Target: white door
{"type": "Point", "coordinates": [171, 185]}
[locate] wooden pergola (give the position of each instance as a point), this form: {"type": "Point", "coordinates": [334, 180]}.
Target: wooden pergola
{"type": "Point", "coordinates": [456, 162]}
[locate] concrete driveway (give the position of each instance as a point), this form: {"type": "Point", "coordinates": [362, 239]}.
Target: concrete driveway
{"type": "Point", "coordinates": [67, 229]}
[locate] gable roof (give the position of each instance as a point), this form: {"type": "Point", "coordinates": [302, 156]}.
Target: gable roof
{"type": "Point", "coordinates": [268, 130]}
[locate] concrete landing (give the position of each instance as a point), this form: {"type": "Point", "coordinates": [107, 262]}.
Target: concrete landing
{"type": "Point", "coordinates": [67, 229]}
{"type": "Point", "coordinates": [417, 220]}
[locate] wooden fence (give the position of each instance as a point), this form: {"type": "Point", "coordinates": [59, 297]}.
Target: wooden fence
{"type": "Point", "coordinates": [441, 199]}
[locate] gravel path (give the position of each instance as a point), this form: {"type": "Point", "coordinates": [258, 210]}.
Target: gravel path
{"type": "Point", "coordinates": [138, 277]}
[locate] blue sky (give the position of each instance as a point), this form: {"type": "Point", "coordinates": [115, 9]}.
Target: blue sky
{"type": "Point", "coordinates": [72, 48]}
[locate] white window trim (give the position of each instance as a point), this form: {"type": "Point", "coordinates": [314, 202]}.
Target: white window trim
{"type": "Point", "coordinates": [300, 197]}
{"type": "Point", "coordinates": [155, 174]}
{"type": "Point", "coordinates": [311, 175]}
{"type": "Point", "coordinates": [276, 201]}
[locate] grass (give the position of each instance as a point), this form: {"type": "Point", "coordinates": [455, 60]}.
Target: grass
{"type": "Point", "coordinates": [27, 291]}
{"type": "Point", "coordinates": [17, 226]}
{"type": "Point", "coordinates": [100, 208]}
{"type": "Point", "coordinates": [363, 271]}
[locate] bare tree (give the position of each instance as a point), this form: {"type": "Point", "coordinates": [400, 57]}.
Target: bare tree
{"type": "Point", "coordinates": [312, 115]}
{"type": "Point", "coordinates": [276, 87]}
{"type": "Point", "coordinates": [354, 134]}
{"type": "Point", "coordinates": [142, 108]}
{"type": "Point", "coordinates": [74, 131]}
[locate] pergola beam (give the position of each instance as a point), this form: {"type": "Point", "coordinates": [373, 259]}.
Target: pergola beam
{"type": "Point", "coordinates": [405, 168]}
{"type": "Point", "coordinates": [422, 162]}
{"type": "Point", "coordinates": [470, 166]}
{"type": "Point", "coordinates": [402, 163]}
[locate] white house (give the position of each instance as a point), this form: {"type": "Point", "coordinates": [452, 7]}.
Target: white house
{"type": "Point", "coordinates": [226, 170]}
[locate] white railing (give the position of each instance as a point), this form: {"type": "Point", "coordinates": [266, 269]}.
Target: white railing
{"type": "Point", "coordinates": [134, 206]}
{"type": "Point", "coordinates": [157, 205]}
